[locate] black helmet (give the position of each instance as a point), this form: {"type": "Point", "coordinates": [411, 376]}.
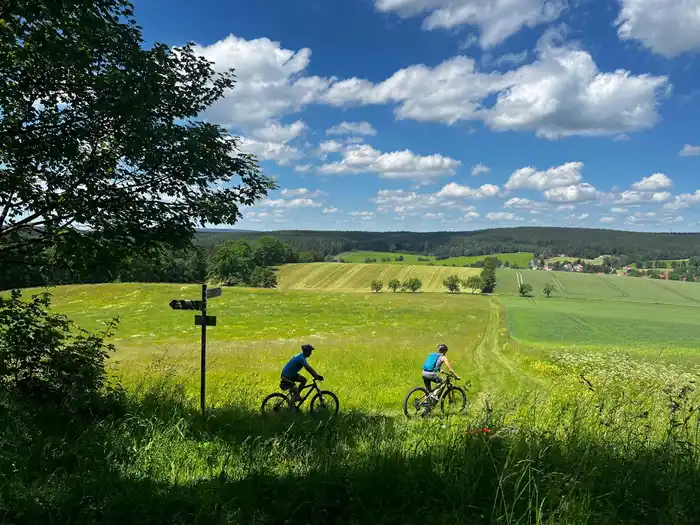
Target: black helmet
{"type": "Point", "coordinates": [306, 348]}
{"type": "Point", "coordinates": [442, 348]}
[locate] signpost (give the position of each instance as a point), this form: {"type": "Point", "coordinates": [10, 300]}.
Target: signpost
{"type": "Point", "coordinates": [203, 320]}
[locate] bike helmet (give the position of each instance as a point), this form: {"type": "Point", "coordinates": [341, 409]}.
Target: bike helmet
{"type": "Point", "coordinates": [307, 348]}
{"type": "Point", "coordinates": [442, 348]}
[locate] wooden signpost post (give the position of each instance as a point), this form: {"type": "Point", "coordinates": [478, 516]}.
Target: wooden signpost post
{"type": "Point", "coordinates": [203, 320]}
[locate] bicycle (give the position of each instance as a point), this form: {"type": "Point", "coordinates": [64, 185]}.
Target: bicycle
{"type": "Point", "coordinates": [453, 399]}
{"type": "Point", "coordinates": [324, 401]}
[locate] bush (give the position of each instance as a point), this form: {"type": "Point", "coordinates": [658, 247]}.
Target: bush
{"type": "Point", "coordinates": [263, 278]}
{"type": "Point", "coordinates": [45, 356]}
{"type": "Point", "coordinates": [394, 284]}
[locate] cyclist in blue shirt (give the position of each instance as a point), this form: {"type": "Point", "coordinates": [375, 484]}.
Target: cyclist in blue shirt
{"type": "Point", "coordinates": [291, 375]}
{"type": "Point", "coordinates": [431, 366]}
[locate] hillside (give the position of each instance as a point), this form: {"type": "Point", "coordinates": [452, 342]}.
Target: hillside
{"type": "Point", "coordinates": [549, 242]}
{"type": "Point", "coordinates": [521, 259]}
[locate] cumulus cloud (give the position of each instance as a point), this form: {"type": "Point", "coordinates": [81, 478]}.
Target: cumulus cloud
{"type": "Point", "coordinates": [573, 193]}
{"type": "Point", "coordinates": [619, 210]}
{"type": "Point", "coordinates": [433, 216]}
{"type": "Point", "coordinates": [527, 204]}
{"type": "Point", "coordinates": [657, 181]}
{"type": "Point", "coordinates": [642, 197]}
{"type": "Point", "coordinates": [271, 81]}
{"type": "Point", "coordinates": [503, 216]}
{"type": "Point", "coordinates": [529, 178]}
{"type": "Point", "coordinates": [496, 19]}
{"type": "Point", "coordinates": [291, 203]}
{"type": "Point", "coordinates": [277, 152]}
{"type": "Point", "coordinates": [622, 137]}
{"type": "Point", "coordinates": [667, 27]}
{"type": "Point", "coordinates": [456, 190]}
{"type": "Point", "coordinates": [480, 169]}
{"type": "Point", "coordinates": [471, 215]}
{"type": "Point", "coordinates": [327, 211]}
{"type": "Point", "coordinates": [683, 200]}
{"type": "Point", "coordinates": [300, 192]}
{"type": "Point", "coordinates": [362, 158]}
{"type": "Point", "coordinates": [330, 146]}
{"type": "Point", "coordinates": [303, 168]}
{"type": "Point", "coordinates": [566, 207]}
{"type": "Point", "coordinates": [352, 128]}
{"type": "Point", "coordinates": [363, 215]}
{"type": "Point", "coordinates": [689, 151]}
{"type": "Point", "coordinates": [607, 220]}
{"type": "Point", "coordinates": [276, 132]}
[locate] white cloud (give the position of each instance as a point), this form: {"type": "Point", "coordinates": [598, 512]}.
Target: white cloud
{"type": "Point", "coordinates": [667, 27]}
{"type": "Point", "coordinates": [621, 137]}
{"type": "Point", "coordinates": [645, 215]}
{"type": "Point", "coordinates": [327, 211]}
{"type": "Point", "coordinates": [270, 81]}
{"type": "Point", "coordinates": [574, 193]}
{"type": "Point", "coordinates": [512, 59]}
{"type": "Point", "coordinates": [657, 181]}
{"type": "Point", "coordinates": [683, 200]}
{"type": "Point", "coordinates": [638, 197]}
{"type": "Point", "coordinates": [300, 192]}
{"type": "Point", "coordinates": [619, 210]}
{"type": "Point", "coordinates": [607, 220]}
{"type": "Point", "coordinates": [290, 203]}
{"type": "Point", "coordinates": [275, 151]}
{"type": "Point", "coordinates": [564, 175]}
{"type": "Point", "coordinates": [564, 94]}
{"type": "Point", "coordinates": [275, 132]}
{"type": "Point", "coordinates": [496, 19]}
{"type": "Point", "coordinates": [689, 151]}
{"type": "Point", "coordinates": [583, 216]}
{"type": "Point", "coordinates": [433, 216]}
{"type": "Point", "coordinates": [455, 190]}
{"type": "Point", "coordinates": [566, 207]}
{"type": "Point", "coordinates": [470, 215]}
{"type": "Point", "coordinates": [527, 204]}
{"type": "Point", "coordinates": [330, 146]}
{"type": "Point", "coordinates": [363, 215]}
{"type": "Point", "coordinates": [303, 168]}
{"type": "Point", "coordinates": [352, 128]}
{"type": "Point", "coordinates": [503, 216]}
{"type": "Point", "coordinates": [395, 165]}
{"type": "Point", "coordinates": [480, 169]}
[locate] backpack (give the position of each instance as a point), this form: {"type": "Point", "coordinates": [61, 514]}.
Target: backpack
{"type": "Point", "coordinates": [430, 364]}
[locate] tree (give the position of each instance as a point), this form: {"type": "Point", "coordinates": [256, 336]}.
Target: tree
{"type": "Point", "coordinates": [394, 284]}
{"type": "Point", "coordinates": [548, 289]}
{"type": "Point", "coordinates": [413, 284]}
{"type": "Point", "coordinates": [263, 277]}
{"type": "Point", "coordinates": [102, 154]}
{"type": "Point", "coordinates": [377, 286]}
{"type": "Point", "coordinates": [488, 275]}
{"type": "Point", "coordinates": [231, 262]}
{"type": "Point", "coordinates": [269, 251]}
{"type": "Point", "coordinates": [474, 283]}
{"type": "Point", "coordinates": [452, 283]}
{"type": "Point", "coordinates": [525, 289]}
{"type": "Point", "coordinates": [399, 258]}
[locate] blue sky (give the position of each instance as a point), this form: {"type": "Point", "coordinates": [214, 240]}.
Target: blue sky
{"type": "Point", "coordinates": [432, 115]}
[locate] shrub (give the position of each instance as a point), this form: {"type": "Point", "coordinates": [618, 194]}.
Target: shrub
{"type": "Point", "coordinates": [263, 277]}
{"type": "Point", "coordinates": [45, 356]}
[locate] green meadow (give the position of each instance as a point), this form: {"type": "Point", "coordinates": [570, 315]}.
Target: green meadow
{"type": "Point", "coordinates": [522, 259]}
{"type": "Point", "coordinates": [587, 397]}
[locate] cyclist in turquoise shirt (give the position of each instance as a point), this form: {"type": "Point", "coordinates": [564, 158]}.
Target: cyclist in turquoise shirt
{"type": "Point", "coordinates": [431, 366]}
{"type": "Point", "coordinates": [290, 372]}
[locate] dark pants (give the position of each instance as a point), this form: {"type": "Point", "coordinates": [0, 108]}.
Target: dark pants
{"type": "Point", "coordinates": [287, 383]}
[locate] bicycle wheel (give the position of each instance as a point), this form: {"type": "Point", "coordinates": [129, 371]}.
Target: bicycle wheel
{"type": "Point", "coordinates": [454, 401]}
{"type": "Point", "coordinates": [414, 403]}
{"type": "Point", "coordinates": [276, 404]}
{"type": "Point", "coordinates": [324, 403]}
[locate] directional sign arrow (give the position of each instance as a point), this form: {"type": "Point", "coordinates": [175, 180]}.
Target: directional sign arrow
{"type": "Point", "coordinates": [183, 304]}
{"type": "Point", "coordinates": [213, 292]}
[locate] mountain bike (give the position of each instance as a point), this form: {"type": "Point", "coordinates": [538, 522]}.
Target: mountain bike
{"type": "Point", "coordinates": [324, 402]}
{"type": "Point", "coordinates": [452, 399]}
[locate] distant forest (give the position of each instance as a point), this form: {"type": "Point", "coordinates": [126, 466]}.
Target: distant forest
{"type": "Point", "coordinates": [543, 242]}
{"type": "Point", "coordinates": [309, 246]}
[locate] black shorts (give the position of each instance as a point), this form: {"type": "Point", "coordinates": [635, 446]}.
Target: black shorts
{"type": "Point", "coordinates": [288, 382]}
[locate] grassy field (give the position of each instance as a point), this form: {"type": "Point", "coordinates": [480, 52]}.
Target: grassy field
{"type": "Point", "coordinates": [522, 259]}
{"type": "Point", "coordinates": [619, 446]}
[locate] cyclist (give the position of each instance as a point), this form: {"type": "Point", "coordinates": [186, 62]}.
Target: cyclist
{"type": "Point", "coordinates": [431, 366]}
{"type": "Point", "coordinates": [290, 372]}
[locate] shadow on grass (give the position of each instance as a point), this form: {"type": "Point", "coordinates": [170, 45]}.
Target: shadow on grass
{"type": "Point", "coordinates": [59, 468]}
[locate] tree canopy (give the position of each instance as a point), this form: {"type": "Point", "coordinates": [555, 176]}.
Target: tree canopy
{"type": "Point", "coordinates": [102, 153]}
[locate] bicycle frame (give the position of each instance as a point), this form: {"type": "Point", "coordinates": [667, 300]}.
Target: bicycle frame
{"type": "Point", "coordinates": [310, 387]}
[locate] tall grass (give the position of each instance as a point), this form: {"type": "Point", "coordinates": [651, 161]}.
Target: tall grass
{"type": "Point", "coordinates": [579, 453]}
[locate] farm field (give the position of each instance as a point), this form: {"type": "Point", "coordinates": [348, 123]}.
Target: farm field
{"type": "Point", "coordinates": [522, 259]}
{"type": "Point", "coordinates": [357, 277]}
{"type": "Point", "coordinates": [547, 429]}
